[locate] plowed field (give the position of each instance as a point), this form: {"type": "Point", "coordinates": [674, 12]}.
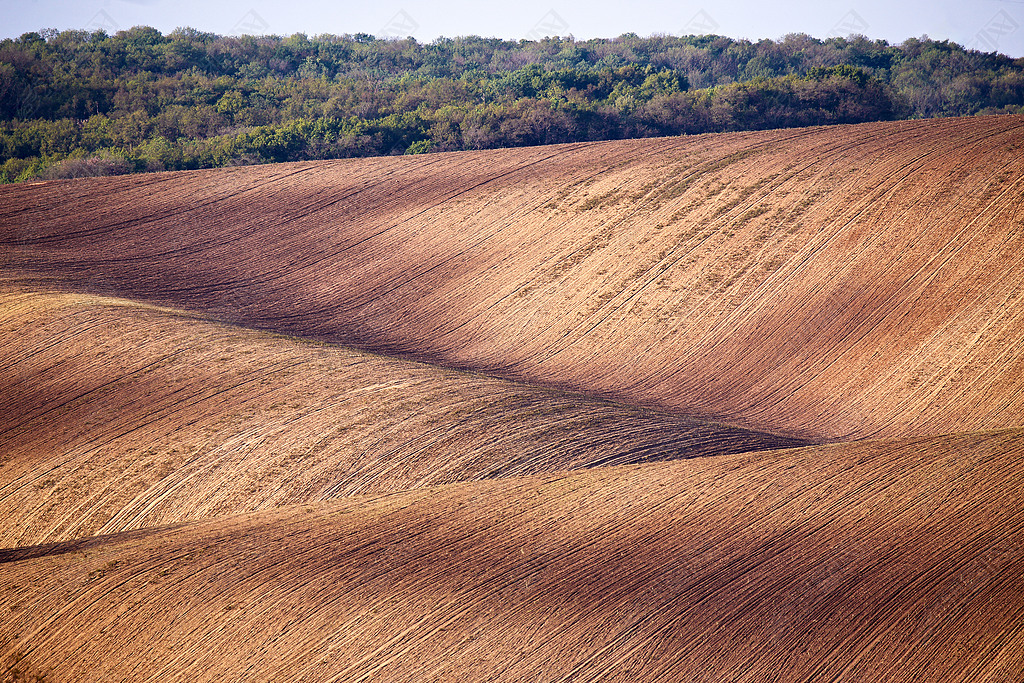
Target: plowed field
{"type": "Point", "coordinates": [736, 407]}
{"type": "Point", "coordinates": [123, 416]}
{"type": "Point", "coordinates": [881, 561]}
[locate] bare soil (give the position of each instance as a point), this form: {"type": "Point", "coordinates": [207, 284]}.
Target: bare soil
{"type": "Point", "coordinates": [828, 283]}
{"type": "Point", "coordinates": [737, 407]}
{"type": "Point", "coordinates": [884, 561]}
{"type": "Point", "coordinates": [123, 415]}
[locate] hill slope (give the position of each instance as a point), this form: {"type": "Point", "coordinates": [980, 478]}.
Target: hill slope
{"type": "Point", "coordinates": [119, 416]}
{"type": "Point", "coordinates": [843, 282]}
{"type": "Point", "coordinates": [877, 561]}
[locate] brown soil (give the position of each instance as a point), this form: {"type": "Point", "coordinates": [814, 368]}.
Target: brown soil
{"type": "Point", "coordinates": [555, 414]}
{"type": "Point", "coordinates": [886, 561]}
{"type": "Point", "coordinates": [845, 282]}
{"type": "Point", "coordinates": [123, 416]}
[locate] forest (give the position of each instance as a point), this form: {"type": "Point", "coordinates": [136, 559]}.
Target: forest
{"type": "Point", "coordinates": [77, 103]}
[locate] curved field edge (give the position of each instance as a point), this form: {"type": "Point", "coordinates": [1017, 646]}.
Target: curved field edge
{"type": "Point", "coordinates": [894, 561]}
{"type": "Point", "coordinates": [120, 416]}
{"type": "Point", "coordinates": [833, 283]}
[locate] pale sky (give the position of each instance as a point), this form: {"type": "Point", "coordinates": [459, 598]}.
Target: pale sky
{"type": "Point", "coordinates": [986, 24]}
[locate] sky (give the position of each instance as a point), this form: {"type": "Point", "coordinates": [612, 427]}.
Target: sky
{"type": "Point", "coordinates": [988, 25]}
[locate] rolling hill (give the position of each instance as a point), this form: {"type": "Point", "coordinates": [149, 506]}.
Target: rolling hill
{"type": "Point", "coordinates": [729, 407]}
{"type": "Point", "coordinates": [879, 561]}
{"type": "Point", "coordinates": [122, 415]}
{"type": "Point", "coordinates": [831, 283]}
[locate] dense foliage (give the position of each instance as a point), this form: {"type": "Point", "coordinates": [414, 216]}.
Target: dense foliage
{"type": "Point", "coordinates": [79, 102]}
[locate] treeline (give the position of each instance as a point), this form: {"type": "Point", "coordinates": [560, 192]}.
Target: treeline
{"type": "Point", "coordinates": [80, 103]}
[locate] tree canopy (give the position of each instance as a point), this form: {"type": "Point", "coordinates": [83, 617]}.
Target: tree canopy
{"type": "Point", "coordinates": [140, 100]}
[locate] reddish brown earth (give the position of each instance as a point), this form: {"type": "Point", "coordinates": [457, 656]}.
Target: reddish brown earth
{"type": "Point", "coordinates": [121, 416]}
{"type": "Point", "coordinates": [884, 561]}
{"type": "Point", "coordinates": [523, 414]}
{"type": "Point", "coordinates": [844, 282]}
